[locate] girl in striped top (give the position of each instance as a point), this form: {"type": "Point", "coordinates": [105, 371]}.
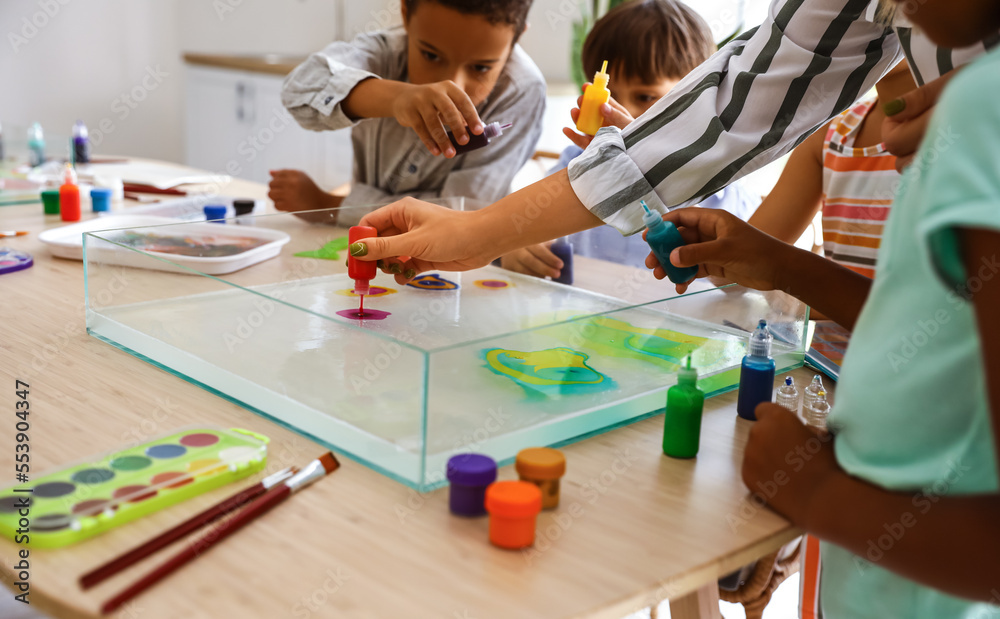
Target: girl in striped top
{"type": "Point", "coordinates": [845, 170]}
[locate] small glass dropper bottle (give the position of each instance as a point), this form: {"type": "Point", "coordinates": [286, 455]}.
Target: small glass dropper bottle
{"type": "Point", "coordinates": [818, 410]}
{"type": "Point", "coordinates": [811, 391]}
{"type": "Point", "coordinates": [788, 396]}
{"type": "Point", "coordinates": [490, 131]}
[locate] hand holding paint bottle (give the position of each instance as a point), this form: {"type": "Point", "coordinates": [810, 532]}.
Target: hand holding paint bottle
{"type": "Point", "coordinates": [594, 97]}
{"type": "Point", "coordinates": [663, 237]}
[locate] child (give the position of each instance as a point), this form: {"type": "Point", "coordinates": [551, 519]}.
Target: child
{"type": "Point", "coordinates": [650, 45]}
{"type": "Point", "coordinates": [454, 63]}
{"type": "Point", "coordinates": [844, 170]}
{"type": "Point", "coordinates": [907, 495]}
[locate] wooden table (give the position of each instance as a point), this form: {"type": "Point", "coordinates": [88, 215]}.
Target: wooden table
{"type": "Point", "coordinates": [634, 527]}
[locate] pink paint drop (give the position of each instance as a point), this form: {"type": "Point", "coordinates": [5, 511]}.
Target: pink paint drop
{"type": "Point", "coordinates": [368, 314]}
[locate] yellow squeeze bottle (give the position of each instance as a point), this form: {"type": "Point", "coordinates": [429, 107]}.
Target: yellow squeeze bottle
{"type": "Point", "coordinates": [591, 119]}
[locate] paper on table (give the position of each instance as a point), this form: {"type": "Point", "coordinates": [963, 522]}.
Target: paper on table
{"type": "Point", "coordinates": [155, 175]}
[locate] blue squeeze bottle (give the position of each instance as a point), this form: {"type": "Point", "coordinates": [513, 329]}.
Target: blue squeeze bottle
{"type": "Point", "coordinates": [756, 373]}
{"type": "Point", "coordinates": [663, 237]}
{"type": "Point", "coordinates": [564, 250]}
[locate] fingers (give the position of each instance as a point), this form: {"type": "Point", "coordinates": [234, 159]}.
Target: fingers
{"type": "Point", "coordinates": [448, 110]}
{"type": "Point", "coordinates": [903, 162]}
{"type": "Point", "coordinates": [541, 261]}
{"type": "Point", "coordinates": [918, 100]}
{"type": "Point", "coordinates": [436, 132]}
{"type": "Point", "coordinates": [903, 138]}
{"type": "Point", "coordinates": [426, 138]}
{"type": "Point", "coordinates": [711, 252]}
{"type": "Point", "coordinates": [581, 140]}
{"type": "Point", "coordinates": [614, 117]}
{"type": "Point", "coordinates": [470, 117]}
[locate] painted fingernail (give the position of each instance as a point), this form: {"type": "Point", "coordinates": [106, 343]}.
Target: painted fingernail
{"type": "Point", "coordinates": [894, 107]}
{"type": "Point", "coordinates": [410, 273]}
{"type": "Point", "coordinates": [358, 249]}
{"type": "Point", "coordinates": [395, 267]}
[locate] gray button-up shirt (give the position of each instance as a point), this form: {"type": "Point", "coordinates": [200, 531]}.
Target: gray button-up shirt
{"type": "Point", "coordinates": [390, 161]}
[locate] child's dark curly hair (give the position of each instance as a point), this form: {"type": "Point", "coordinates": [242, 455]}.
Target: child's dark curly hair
{"type": "Point", "coordinates": [511, 12]}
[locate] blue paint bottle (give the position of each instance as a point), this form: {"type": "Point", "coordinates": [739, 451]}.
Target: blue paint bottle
{"type": "Point", "coordinates": [663, 238]}
{"type": "Point", "coordinates": [756, 373]}
{"type": "Point", "coordinates": [564, 250]}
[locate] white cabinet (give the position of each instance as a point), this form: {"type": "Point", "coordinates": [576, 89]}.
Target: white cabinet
{"type": "Point", "coordinates": [235, 124]}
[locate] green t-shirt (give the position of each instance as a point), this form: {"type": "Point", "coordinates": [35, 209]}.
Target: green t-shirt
{"type": "Point", "coordinates": [912, 413]}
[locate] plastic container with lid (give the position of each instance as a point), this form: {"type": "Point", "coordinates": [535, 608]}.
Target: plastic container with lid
{"type": "Point", "coordinates": [100, 199]}
{"type": "Point", "coordinates": [469, 474]}
{"type": "Point", "coordinates": [542, 466]}
{"type": "Point", "coordinates": [50, 201]}
{"type": "Point", "coordinates": [215, 213]}
{"type": "Point", "coordinates": [513, 508]}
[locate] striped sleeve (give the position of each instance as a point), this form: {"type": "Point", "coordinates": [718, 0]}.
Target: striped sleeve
{"type": "Point", "coordinates": [747, 105]}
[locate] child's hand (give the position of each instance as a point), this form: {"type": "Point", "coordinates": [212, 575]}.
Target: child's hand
{"type": "Point", "coordinates": [785, 462]}
{"type": "Point", "coordinates": [427, 108]}
{"type": "Point", "coordinates": [293, 191]}
{"type": "Point", "coordinates": [537, 260]}
{"type": "Point", "coordinates": [722, 245]}
{"type": "Point", "coordinates": [615, 115]}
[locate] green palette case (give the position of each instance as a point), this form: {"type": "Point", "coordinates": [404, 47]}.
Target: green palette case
{"type": "Point", "coordinates": [88, 498]}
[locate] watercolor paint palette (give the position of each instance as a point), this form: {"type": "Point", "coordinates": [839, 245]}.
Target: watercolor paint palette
{"type": "Point", "coordinates": [486, 359]}
{"type": "Point", "coordinates": [88, 498]}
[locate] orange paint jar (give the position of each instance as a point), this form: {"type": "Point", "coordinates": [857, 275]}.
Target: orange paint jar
{"type": "Point", "coordinates": [542, 466]}
{"type": "Point", "coordinates": [513, 507]}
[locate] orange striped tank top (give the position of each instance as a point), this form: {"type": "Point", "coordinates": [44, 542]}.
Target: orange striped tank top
{"type": "Point", "coordinates": [858, 188]}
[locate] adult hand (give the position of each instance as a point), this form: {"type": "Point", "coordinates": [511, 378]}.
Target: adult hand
{"type": "Point", "coordinates": [426, 108]}
{"type": "Point", "coordinates": [441, 237]}
{"type": "Point", "coordinates": [537, 260]}
{"type": "Point", "coordinates": [615, 115]}
{"type": "Point", "coordinates": [785, 462]}
{"type": "Point", "coordinates": [722, 245]}
{"type": "Point", "coordinates": [907, 117]}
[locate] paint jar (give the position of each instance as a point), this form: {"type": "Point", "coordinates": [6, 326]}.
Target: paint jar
{"type": "Point", "coordinates": [513, 508]}
{"type": "Point", "coordinates": [215, 213]}
{"type": "Point", "coordinates": [542, 466]}
{"type": "Point", "coordinates": [50, 201]}
{"type": "Point", "coordinates": [469, 475]}
{"type": "Point", "coordinates": [100, 199]}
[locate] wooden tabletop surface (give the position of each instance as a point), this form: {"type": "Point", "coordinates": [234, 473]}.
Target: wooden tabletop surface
{"type": "Point", "coordinates": [634, 527]}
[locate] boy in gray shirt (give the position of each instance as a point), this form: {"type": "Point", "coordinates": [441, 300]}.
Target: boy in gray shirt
{"type": "Point", "coordinates": [454, 65]}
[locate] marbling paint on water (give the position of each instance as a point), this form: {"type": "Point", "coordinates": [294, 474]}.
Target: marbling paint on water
{"type": "Point", "coordinates": [554, 371]}
{"type": "Point", "coordinates": [664, 347]}
{"type": "Point", "coordinates": [492, 284]}
{"type": "Point", "coordinates": [374, 291]}
{"type": "Point", "coordinates": [368, 314]}
{"type": "Point", "coordinates": [433, 281]}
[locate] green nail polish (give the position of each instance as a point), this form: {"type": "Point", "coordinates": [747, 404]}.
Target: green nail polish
{"type": "Point", "coordinates": [395, 267]}
{"type": "Point", "coordinates": [410, 273]}
{"type": "Point", "coordinates": [894, 107]}
{"type": "Point", "coordinates": [358, 249]}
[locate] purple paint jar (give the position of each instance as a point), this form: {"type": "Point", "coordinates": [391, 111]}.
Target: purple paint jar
{"type": "Point", "coordinates": [469, 474]}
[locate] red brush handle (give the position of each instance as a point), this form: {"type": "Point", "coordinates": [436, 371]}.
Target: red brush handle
{"type": "Point", "coordinates": [271, 498]}
{"type": "Point", "coordinates": [140, 552]}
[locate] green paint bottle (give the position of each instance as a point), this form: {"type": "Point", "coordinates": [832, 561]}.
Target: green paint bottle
{"type": "Point", "coordinates": [682, 421]}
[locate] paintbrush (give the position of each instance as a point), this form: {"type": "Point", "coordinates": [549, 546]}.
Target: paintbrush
{"type": "Point", "coordinates": [213, 513]}
{"type": "Point", "coordinates": [6, 233]}
{"type": "Point", "coordinates": [312, 472]}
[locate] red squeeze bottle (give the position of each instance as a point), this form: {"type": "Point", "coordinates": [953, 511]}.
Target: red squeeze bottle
{"type": "Point", "coordinates": [69, 196]}
{"type": "Point", "coordinates": [360, 271]}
